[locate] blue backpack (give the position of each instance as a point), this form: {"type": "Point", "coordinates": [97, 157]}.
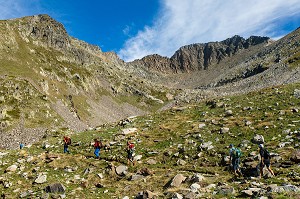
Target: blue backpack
{"type": "Point", "coordinates": [237, 153]}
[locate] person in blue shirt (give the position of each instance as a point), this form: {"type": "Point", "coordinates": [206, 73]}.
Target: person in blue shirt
{"type": "Point", "coordinates": [234, 154]}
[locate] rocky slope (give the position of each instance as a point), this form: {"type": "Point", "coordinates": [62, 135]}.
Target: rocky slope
{"type": "Point", "coordinates": [52, 80]}
{"type": "Point", "coordinates": [180, 153]}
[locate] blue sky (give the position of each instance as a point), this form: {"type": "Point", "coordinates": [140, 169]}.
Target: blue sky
{"type": "Point", "coordinates": [135, 28]}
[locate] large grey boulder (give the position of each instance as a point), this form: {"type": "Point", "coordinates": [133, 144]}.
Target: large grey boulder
{"type": "Point", "coordinates": [295, 157]}
{"type": "Point", "coordinates": [176, 181]}
{"type": "Point", "coordinates": [206, 146]}
{"type": "Point", "coordinates": [258, 139]}
{"type": "Point", "coordinates": [121, 170]}
{"type": "Point", "coordinates": [55, 188]}
{"type": "Point", "coordinates": [41, 179]}
{"type": "Point", "coordinates": [11, 168]}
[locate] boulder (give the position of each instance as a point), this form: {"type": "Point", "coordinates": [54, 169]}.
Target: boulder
{"type": "Point", "coordinates": [121, 170]}
{"type": "Point", "coordinates": [251, 191]}
{"type": "Point", "coordinates": [206, 146]}
{"type": "Point", "coordinates": [228, 113]}
{"type": "Point", "coordinates": [41, 179]}
{"type": "Point", "coordinates": [181, 162]}
{"type": "Point", "coordinates": [145, 172]}
{"type": "Point", "coordinates": [295, 157]}
{"type": "Point", "coordinates": [194, 187]}
{"type": "Point", "coordinates": [136, 177]}
{"type": "Point", "coordinates": [11, 168]}
{"type": "Point", "coordinates": [146, 195]}
{"type": "Point", "coordinates": [202, 125]}
{"type": "Point", "coordinates": [224, 130]}
{"type": "Point", "coordinates": [197, 178]}
{"type": "Point", "coordinates": [224, 190]}
{"type": "Point", "coordinates": [137, 157]}
{"type": "Point", "coordinates": [129, 131]}
{"type": "Point", "coordinates": [177, 196]}
{"type": "Point", "coordinates": [258, 139]}
{"type": "Point", "coordinates": [151, 161]}
{"type": "Point", "coordinates": [55, 188]}
{"type": "Point", "coordinates": [176, 181]}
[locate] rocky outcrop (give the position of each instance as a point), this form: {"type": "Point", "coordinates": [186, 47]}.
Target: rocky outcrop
{"type": "Point", "coordinates": [44, 30]}
{"type": "Point", "coordinates": [200, 56]}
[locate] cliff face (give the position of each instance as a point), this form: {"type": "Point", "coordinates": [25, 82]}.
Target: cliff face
{"type": "Point", "coordinates": [197, 57]}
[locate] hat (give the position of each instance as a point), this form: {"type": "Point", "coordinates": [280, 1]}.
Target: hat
{"type": "Point", "coordinates": [261, 146]}
{"type": "Point", "coordinates": [230, 145]}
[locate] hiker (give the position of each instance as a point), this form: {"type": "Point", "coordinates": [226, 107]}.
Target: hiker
{"type": "Point", "coordinates": [265, 160]}
{"type": "Point", "coordinates": [97, 147]}
{"type": "Point", "coordinates": [235, 154]}
{"type": "Point", "coordinates": [67, 142]}
{"type": "Point", "coordinates": [130, 153]}
{"type": "Point", "coordinates": [21, 145]}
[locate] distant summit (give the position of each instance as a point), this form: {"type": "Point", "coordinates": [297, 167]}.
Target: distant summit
{"type": "Point", "coordinates": [196, 57]}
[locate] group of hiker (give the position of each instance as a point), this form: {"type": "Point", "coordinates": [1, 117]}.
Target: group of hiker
{"type": "Point", "coordinates": [265, 160]}
{"type": "Point", "coordinates": [98, 145]}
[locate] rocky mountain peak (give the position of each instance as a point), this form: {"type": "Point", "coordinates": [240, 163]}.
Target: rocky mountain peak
{"type": "Point", "coordinates": [44, 30]}
{"type": "Point", "coordinates": [200, 56]}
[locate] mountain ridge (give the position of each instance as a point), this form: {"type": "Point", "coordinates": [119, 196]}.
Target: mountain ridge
{"type": "Point", "coordinates": [200, 56]}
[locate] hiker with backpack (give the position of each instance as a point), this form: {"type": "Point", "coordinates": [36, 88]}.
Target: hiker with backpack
{"type": "Point", "coordinates": [265, 160]}
{"type": "Point", "coordinates": [130, 153]}
{"type": "Point", "coordinates": [235, 155]}
{"type": "Point", "coordinates": [67, 142]}
{"type": "Point", "coordinates": [97, 148]}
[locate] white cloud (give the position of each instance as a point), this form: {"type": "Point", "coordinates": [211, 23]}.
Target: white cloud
{"type": "Point", "coordinates": [198, 21]}
{"type": "Point", "coordinates": [17, 8]}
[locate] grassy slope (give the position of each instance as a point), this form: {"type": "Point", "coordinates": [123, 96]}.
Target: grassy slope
{"type": "Point", "coordinates": [164, 132]}
{"type": "Point", "coordinates": [20, 59]}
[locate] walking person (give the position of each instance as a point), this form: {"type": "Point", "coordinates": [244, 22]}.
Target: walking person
{"type": "Point", "coordinates": [130, 153]}
{"type": "Point", "coordinates": [97, 148]}
{"type": "Point", "coordinates": [67, 142]}
{"type": "Point", "coordinates": [265, 160]}
{"type": "Point", "coordinates": [235, 155]}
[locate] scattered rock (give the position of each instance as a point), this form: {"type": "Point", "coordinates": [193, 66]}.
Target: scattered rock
{"type": "Point", "coordinates": [176, 181]}
{"type": "Point", "coordinates": [151, 161]}
{"type": "Point", "coordinates": [206, 146]}
{"type": "Point", "coordinates": [258, 139]}
{"type": "Point", "coordinates": [41, 179]}
{"type": "Point", "coordinates": [55, 188]}
{"type": "Point", "coordinates": [181, 162]}
{"type": "Point", "coordinates": [136, 177]}
{"type": "Point", "coordinates": [295, 157]}
{"type": "Point", "coordinates": [194, 187]}
{"type": "Point", "coordinates": [228, 113]}
{"type": "Point", "coordinates": [137, 157]}
{"type": "Point", "coordinates": [202, 125]}
{"type": "Point", "coordinates": [177, 196]}
{"type": "Point", "coordinates": [11, 168]}
{"type": "Point", "coordinates": [197, 178]}
{"type": "Point", "coordinates": [129, 131]}
{"type": "Point", "coordinates": [224, 130]}
{"type": "Point", "coordinates": [121, 170]}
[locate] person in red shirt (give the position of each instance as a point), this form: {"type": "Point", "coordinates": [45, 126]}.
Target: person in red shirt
{"type": "Point", "coordinates": [97, 147]}
{"type": "Point", "coordinates": [67, 142]}
{"type": "Point", "coordinates": [130, 153]}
